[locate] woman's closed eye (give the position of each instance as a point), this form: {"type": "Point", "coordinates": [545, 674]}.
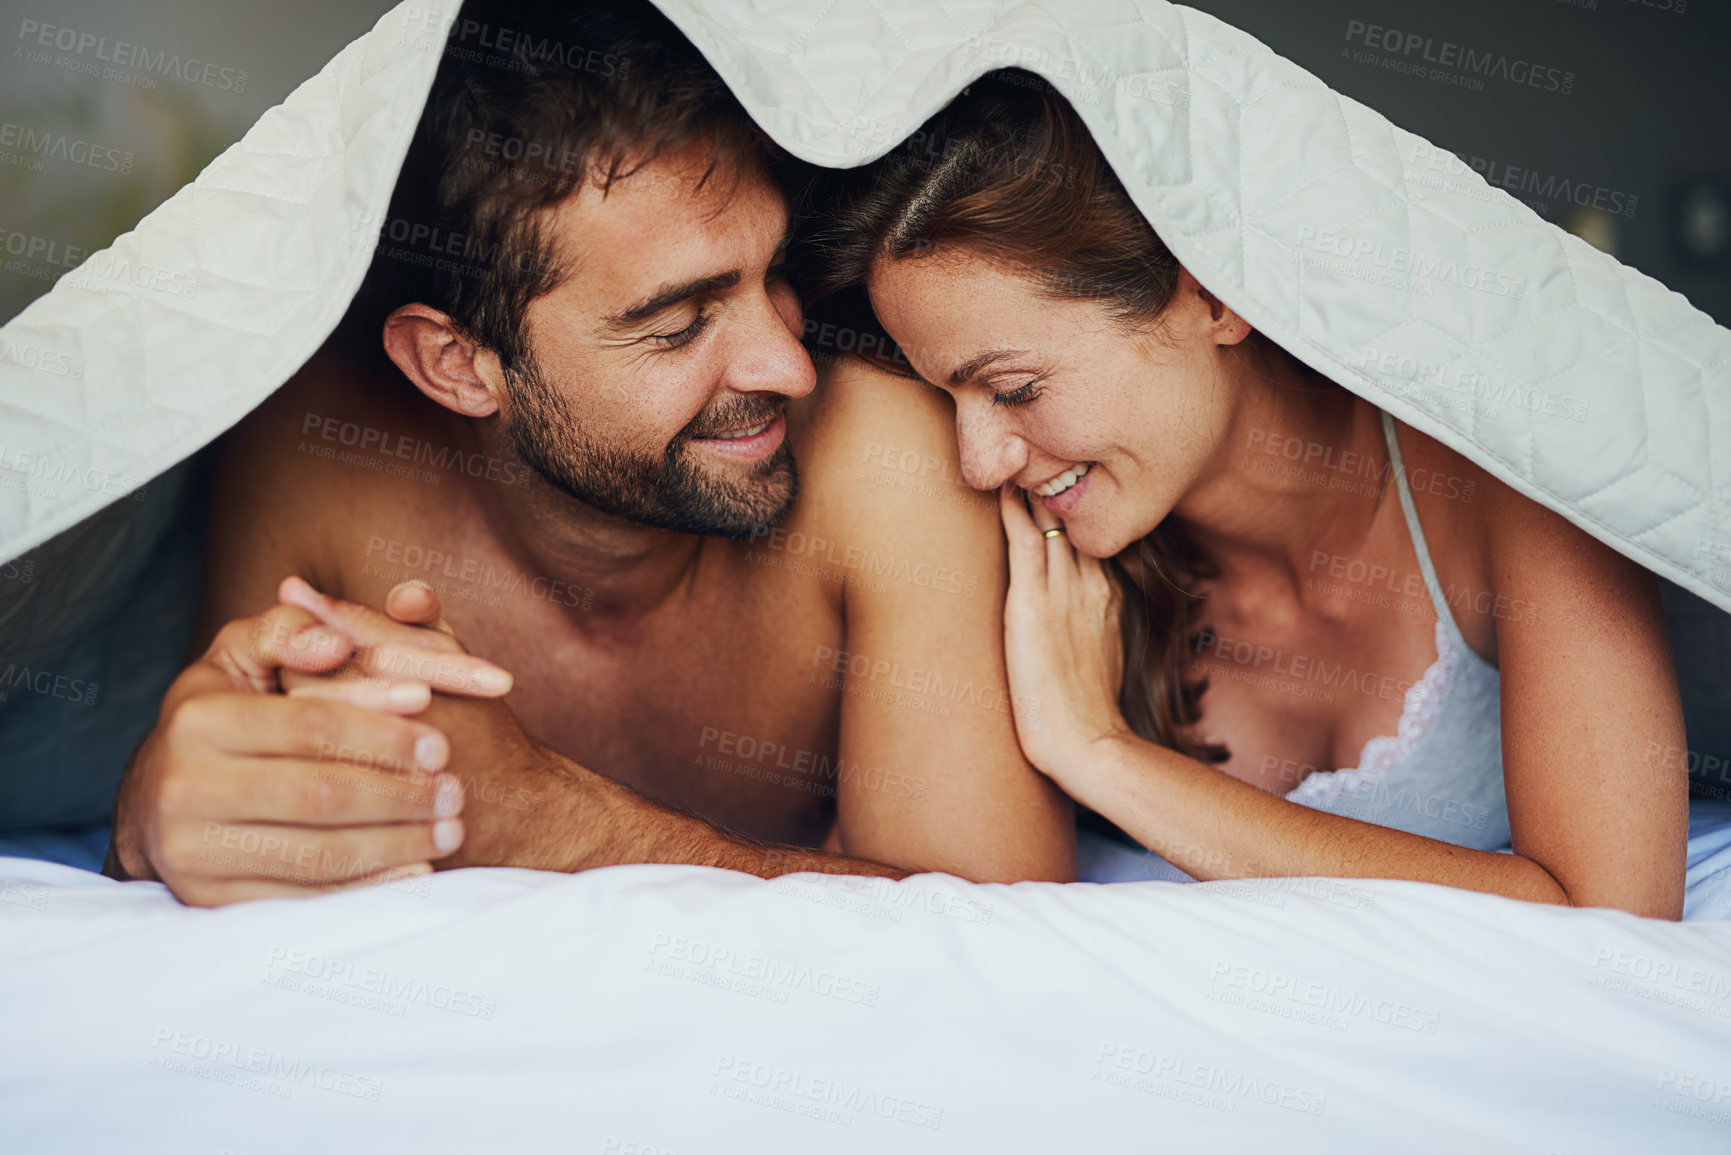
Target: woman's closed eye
{"type": "Point", "coordinates": [1018, 396]}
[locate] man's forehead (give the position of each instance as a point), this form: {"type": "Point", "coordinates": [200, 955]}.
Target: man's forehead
{"type": "Point", "coordinates": [683, 215]}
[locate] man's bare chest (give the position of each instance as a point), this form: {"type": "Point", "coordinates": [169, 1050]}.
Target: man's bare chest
{"type": "Point", "coordinates": [719, 704]}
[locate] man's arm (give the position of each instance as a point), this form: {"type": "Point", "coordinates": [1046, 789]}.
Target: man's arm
{"type": "Point", "coordinates": [932, 774]}
{"type": "Point", "coordinates": [240, 792]}
{"type": "Point", "coordinates": [528, 805]}
{"type": "Point", "coordinates": [531, 806]}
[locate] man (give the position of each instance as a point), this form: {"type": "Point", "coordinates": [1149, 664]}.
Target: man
{"type": "Point", "coordinates": [595, 468]}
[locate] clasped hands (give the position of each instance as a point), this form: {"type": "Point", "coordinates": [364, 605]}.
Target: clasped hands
{"type": "Point", "coordinates": [310, 749]}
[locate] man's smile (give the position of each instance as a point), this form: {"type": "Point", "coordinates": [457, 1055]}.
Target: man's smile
{"type": "Point", "coordinates": [748, 442]}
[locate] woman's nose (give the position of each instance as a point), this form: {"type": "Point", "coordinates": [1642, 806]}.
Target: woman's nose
{"type": "Point", "coordinates": [991, 453]}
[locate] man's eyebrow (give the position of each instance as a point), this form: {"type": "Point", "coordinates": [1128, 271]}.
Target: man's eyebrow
{"type": "Point", "coordinates": [673, 294]}
{"type": "Point", "coordinates": [969, 369]}
{"type": "Point", "coordinates": [669, 295]}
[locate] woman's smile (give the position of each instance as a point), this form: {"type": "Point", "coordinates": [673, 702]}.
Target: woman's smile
{"type": "Point", "coordinates": [1063, 493]}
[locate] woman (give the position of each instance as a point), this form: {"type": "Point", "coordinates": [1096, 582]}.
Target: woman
{"type": "Point", "coordinates": [1365, 658]}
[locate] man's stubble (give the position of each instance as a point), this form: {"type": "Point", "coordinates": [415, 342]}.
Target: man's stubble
{"type": "Point", "coordinates": [669, 491]}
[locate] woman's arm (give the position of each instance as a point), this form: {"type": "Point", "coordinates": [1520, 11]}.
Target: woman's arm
{"type": "Point", "coordinates": [1212, 826]}
{"type": "Point", "coordinates": [1593, 741]}
{"type": "Point", "coordinates": [1589, 701]}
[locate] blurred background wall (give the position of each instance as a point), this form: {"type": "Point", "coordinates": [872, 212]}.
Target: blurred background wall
{"type": "Point", "coordinates": [1622, 133]}
{"type": "Point", "coordinates": [84, 157]}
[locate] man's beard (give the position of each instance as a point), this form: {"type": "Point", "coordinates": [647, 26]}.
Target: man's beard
{"type": "Point", "coordinates": [670, 491]}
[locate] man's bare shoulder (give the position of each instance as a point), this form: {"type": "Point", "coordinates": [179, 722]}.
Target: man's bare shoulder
{"type": "Point", "coordinates": [332, 404]}
{"type": "Point", "coordinates": [878, 445]}
{"type": "Point", "coordinates": [338, 441]}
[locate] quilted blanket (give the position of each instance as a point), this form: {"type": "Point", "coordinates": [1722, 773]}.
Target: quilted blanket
{"type": "Point", "coordinates": [1379, 259]}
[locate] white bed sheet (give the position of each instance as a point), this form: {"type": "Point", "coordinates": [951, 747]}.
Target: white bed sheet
{"type": "Point", "coordinates": [687, 1010]}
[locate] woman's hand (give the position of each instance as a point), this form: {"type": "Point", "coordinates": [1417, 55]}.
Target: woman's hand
{"type": "Point", "coordinates": [395, 659]}
{"type": "Point", "coordinates": [1061, 642]}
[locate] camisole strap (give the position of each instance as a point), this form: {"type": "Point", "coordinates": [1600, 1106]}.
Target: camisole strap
{"type": "Point", "coordinates": [1438, 601]}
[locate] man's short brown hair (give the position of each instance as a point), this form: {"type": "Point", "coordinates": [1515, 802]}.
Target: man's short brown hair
{"type": "Point", "coordinates": [531, 99]}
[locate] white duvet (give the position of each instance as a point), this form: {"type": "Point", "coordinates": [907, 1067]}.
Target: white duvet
{"type": "Point", "coordinates": [687, 1010]}
{"type": "Point", "coordinates": [669, 1009]}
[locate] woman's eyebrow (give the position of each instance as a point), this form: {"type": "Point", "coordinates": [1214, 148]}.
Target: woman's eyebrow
{"type": "Point", "coordinates": [968, 369]}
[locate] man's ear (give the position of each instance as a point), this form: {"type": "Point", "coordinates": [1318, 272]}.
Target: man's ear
{"type": "Point", "coordinates": [444, 364]}
{"type": "Point", "coordinates": [1224, 326]}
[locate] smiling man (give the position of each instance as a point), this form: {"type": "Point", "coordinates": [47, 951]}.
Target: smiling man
{"type": "Point", "coordinates": [585, 439]}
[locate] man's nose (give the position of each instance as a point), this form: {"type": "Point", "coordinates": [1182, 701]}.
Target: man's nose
{"type": "Point", "coordinates": [764, 354]}
{"type": "Point", "coordinates": [991, 452]}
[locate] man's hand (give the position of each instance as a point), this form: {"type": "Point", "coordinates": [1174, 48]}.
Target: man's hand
{"type": "Point", "coordinates": [240, 792]}
{"type": "Point", "coordinates": [530, 806]}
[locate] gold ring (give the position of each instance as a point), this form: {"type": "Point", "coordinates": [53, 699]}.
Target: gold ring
{"type": "Point", "coordinates": [1055, 532]}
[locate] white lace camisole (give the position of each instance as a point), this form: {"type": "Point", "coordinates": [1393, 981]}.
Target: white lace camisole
{"type": "Point", "coordinates": [1441, 773]}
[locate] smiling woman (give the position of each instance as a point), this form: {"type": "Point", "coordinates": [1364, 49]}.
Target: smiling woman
{"type": "Point", "coordinates": [1219, 700]}
{"type": "Point", "coordinates": [1009, 174]}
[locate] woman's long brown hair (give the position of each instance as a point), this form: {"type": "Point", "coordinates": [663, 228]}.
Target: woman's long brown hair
{"type": "Point", "coordinates": [1009, 171]}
